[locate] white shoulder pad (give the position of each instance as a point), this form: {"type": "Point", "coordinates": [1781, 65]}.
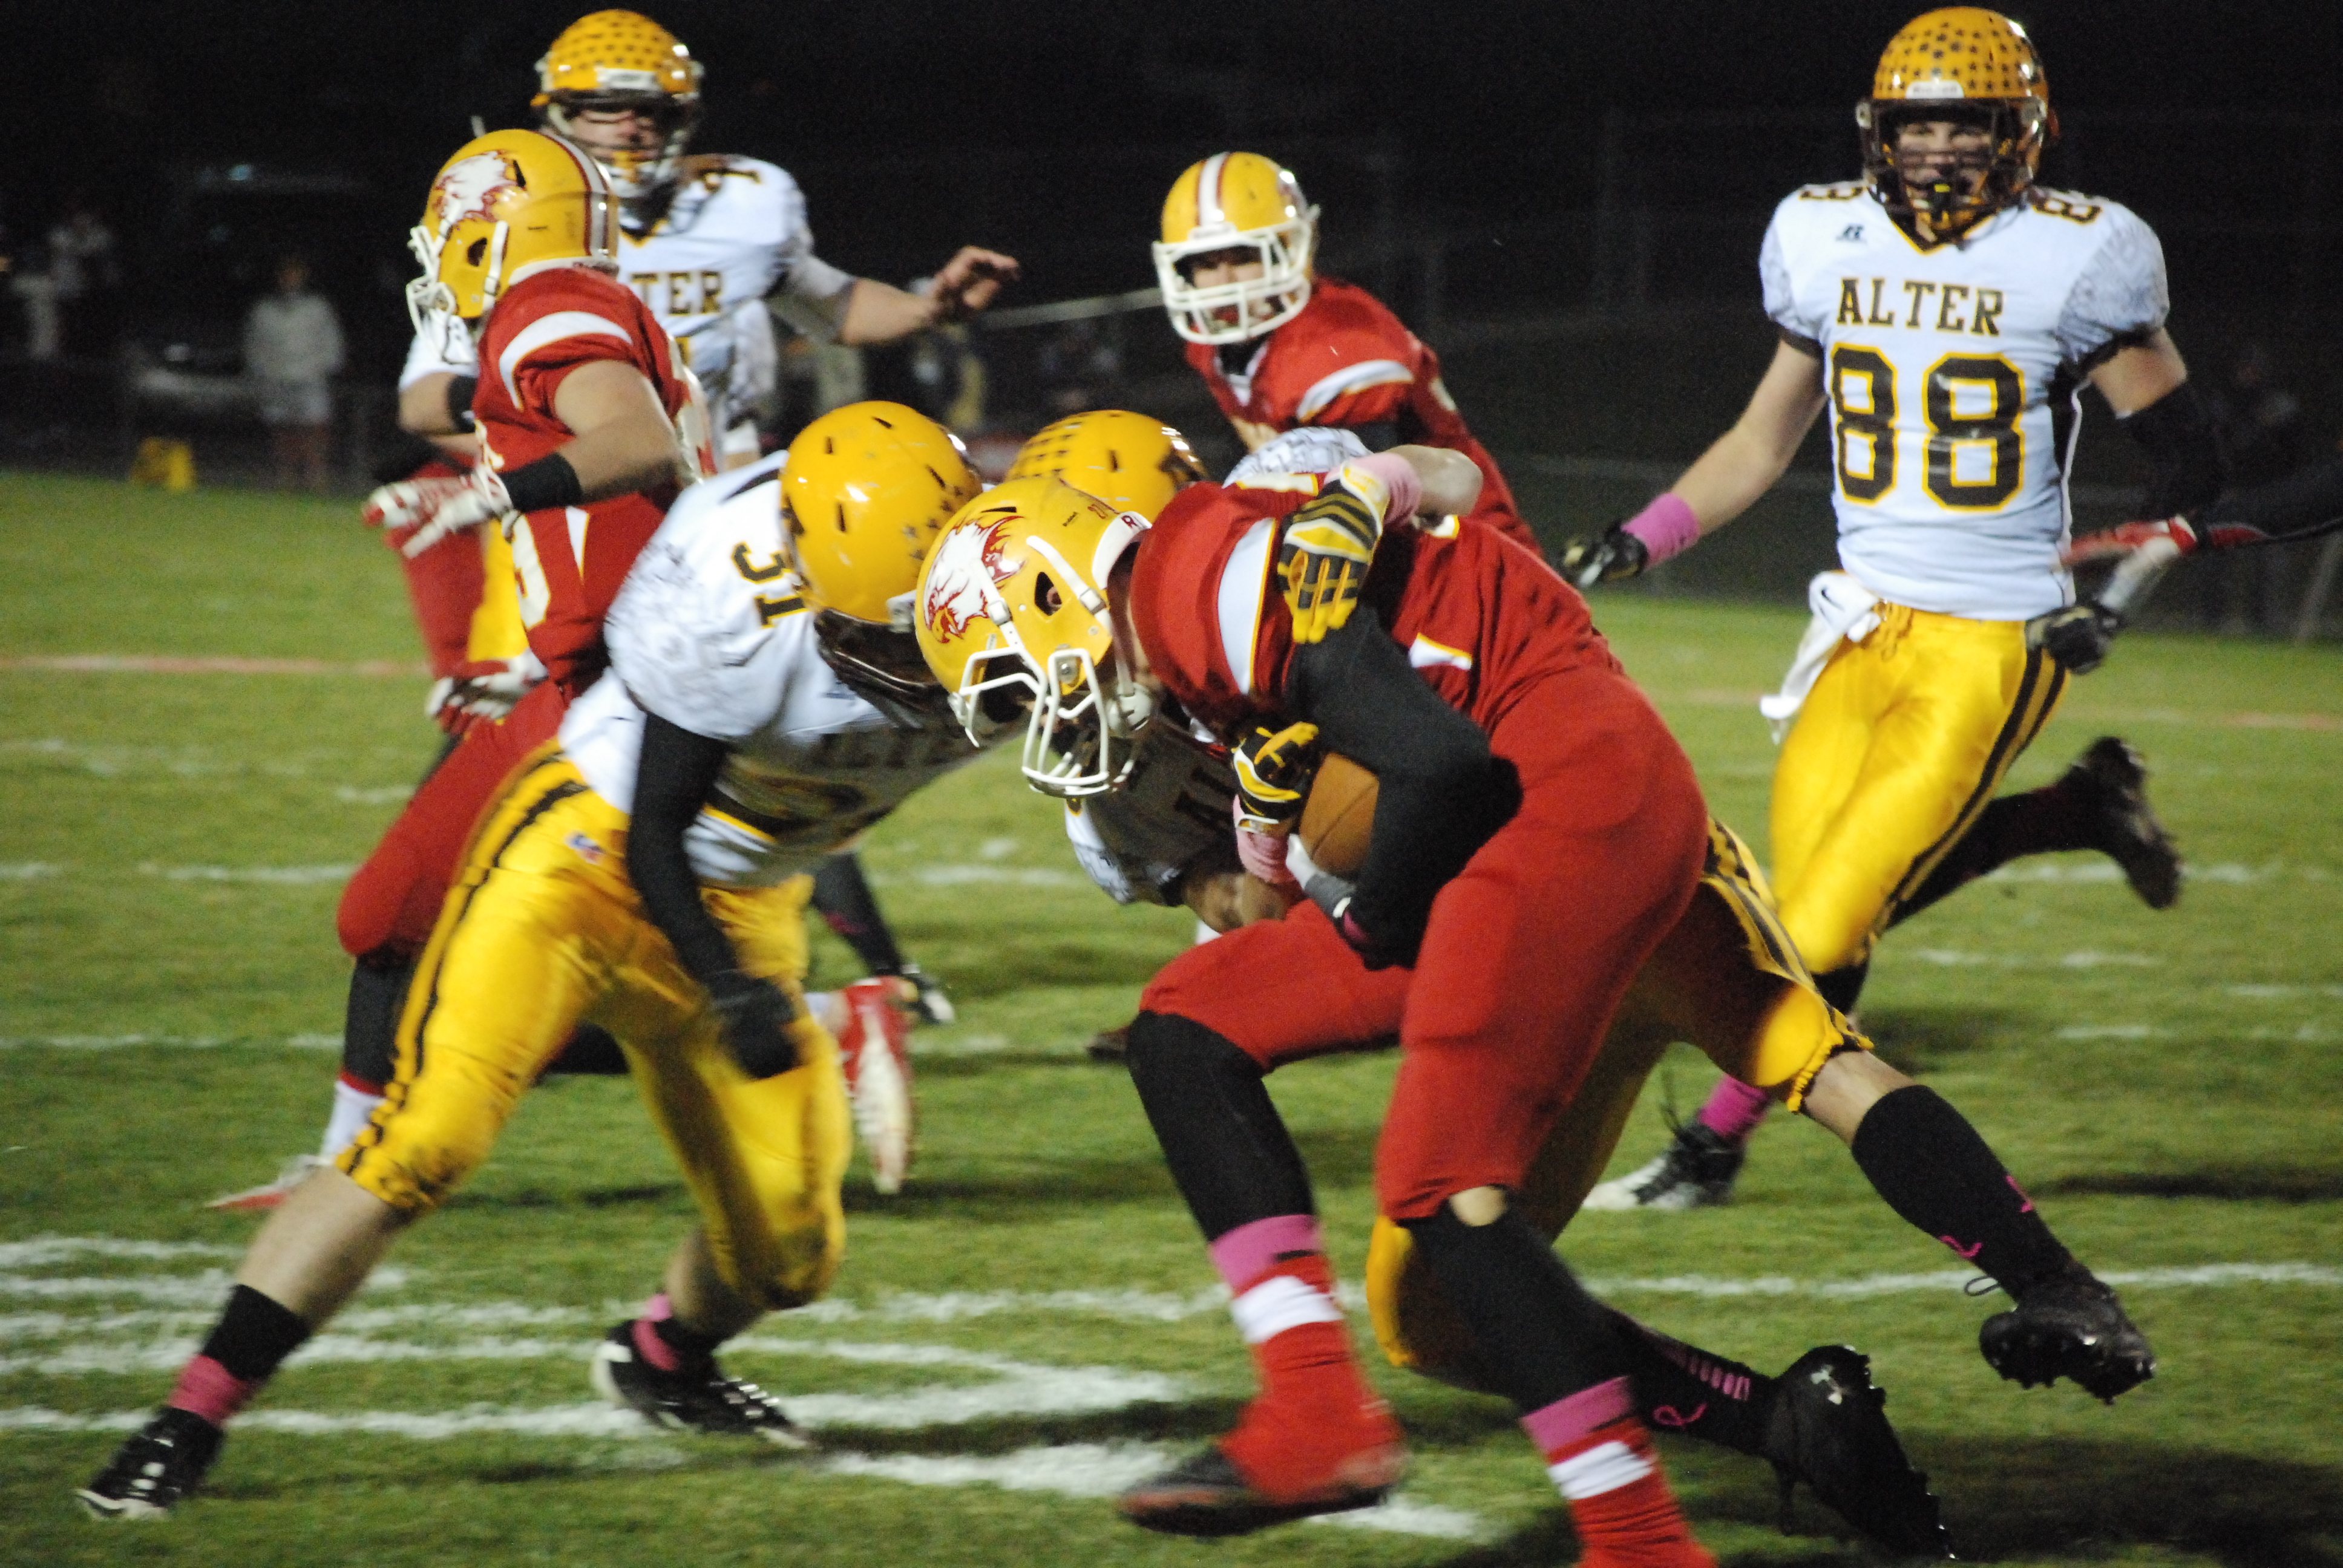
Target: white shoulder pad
{"type": "Point", "coordinates": [707, 631]}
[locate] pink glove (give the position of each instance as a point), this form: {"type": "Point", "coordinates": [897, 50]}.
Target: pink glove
{"type": "Point", "coordinates": [2129, 537]}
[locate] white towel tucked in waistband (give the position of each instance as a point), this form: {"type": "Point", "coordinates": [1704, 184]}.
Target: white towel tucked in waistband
{"type": "Point", "coordinates": [1841, 607]}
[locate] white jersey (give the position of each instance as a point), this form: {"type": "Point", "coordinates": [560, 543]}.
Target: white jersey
{"type": "Point", "coordinates": [1169, 818]}
{"type": "Point", "coordinates": [711, 634]}
{"type": "Point", "coordinates": [1951, 373]}
{"type": "Point", "coordinates": [735, 232]}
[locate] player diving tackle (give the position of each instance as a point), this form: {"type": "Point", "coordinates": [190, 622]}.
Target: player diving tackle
{"type": "Point", "coordinates": [646, 869]}
{"type": "Point", "coordinates": [1527, 894]}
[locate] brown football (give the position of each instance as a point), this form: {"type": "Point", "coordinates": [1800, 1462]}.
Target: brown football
{"type": "Point", "coordinates": [1339, 818]}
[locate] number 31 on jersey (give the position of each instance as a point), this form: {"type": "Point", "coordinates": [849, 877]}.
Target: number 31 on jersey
{"type": "Point", "coordinates": [1974, 456]}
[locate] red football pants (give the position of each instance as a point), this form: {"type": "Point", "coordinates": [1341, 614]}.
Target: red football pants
{"type": "Point", "coordinates": [1527, 956]}
{"type": "Point", "coordinates": [394, 900]}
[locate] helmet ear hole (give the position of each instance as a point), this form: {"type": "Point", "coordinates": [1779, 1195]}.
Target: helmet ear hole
{"type": "Point", "coordinates": [477, 252]}
{"type": "Point", "coordinates": [1046, 596]}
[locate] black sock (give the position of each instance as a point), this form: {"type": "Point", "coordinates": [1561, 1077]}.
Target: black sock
{"type": "Point", "coordinates": [1680, 1388]}
{"type": "Point", "coordinates": [2034, 822]}
{"type": "Point", "coordinates": [1221, 1135]}
{"type": "Point", "coordinates": [255, 1335]}
{"type": "Point", "coordinates": [1543, 1338]}
{"type": "Point", "coordinates": [694, 1351]}
{"type": "Point", "coordinates": [370, 1021]}
{"type": "Point", "coordinates": [1842, 987]}
{"type": "Point", "coordinates": [846, 901]}
{"type": "Point", "coordinates": [1926, 1160]}
{"type": "Point", "coordinates": [591, 1051]}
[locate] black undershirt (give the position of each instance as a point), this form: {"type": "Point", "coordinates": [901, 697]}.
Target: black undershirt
{"type": "Point", "coordinates": [678, 772]}
{"type": "Point", "coordinates": [1440, 793]}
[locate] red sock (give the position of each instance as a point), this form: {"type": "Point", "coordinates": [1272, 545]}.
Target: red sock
{"type": "Point", "coordinates": [1317, 1427]}
{"type": "Point", "coordinates": [209, 1390]}
{"type": "Point", "coordinates": [1602, 1460]}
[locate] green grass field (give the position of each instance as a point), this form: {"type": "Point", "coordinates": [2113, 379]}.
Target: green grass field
{"type": "Point", "coordinates": [1033, 1321]}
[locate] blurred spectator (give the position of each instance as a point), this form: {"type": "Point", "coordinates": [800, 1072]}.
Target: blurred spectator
{"type": "Point", "coordinates": [81, 262]}
{"type": "Point", "coordinates": [33, 280]}
{"type": "Point", "coordinates": [292, 348]}
{"type": "Point", "coordinates": [2261, 426]}
{"type": "Point", "coordinates": [1080, 367]}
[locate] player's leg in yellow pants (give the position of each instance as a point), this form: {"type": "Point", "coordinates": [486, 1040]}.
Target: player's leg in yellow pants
{"type": "Point", "coordinates": [1727, 980]}
{"type": "Point", "coordinates": [1900, 745]}
{"type": "Point", "coordinates": [543, 931]}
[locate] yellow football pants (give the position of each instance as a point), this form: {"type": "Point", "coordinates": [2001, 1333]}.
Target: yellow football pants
{"type": "Point", "coordinates": [496, 631]}
{"type": "Point", "coordinates": [1902, 743]}
{"type": "Point", "coordinates": [1728, 979]}
{"type": "Point", "coordinates": [544, 931]}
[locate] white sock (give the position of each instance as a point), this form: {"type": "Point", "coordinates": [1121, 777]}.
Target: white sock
{"type": "Point", "coordinates": [352, 1107]}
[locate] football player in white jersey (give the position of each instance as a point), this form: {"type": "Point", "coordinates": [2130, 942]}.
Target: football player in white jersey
{"type": "Point", "coordinates": [1947, 309]}
{"type": "Point", "coordinates": [706, 239]}
{"type": "Point", "coordinates": [649, 869]}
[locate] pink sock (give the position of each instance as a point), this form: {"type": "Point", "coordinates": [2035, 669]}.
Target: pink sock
{"type": "Point", "coordinates": [1733, 1112]}
{"type": "Point", "coordinates": [1246, 1254]}
{"type": "Point", "coordinates": [648, 1341]}
{"type": "Point", "coordinates": [209, 1390]}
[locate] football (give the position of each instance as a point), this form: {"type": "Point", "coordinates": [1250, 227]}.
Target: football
{"type": "Point", "coordinates": [1339, 818]}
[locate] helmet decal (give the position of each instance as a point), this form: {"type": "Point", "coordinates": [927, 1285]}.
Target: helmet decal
{"type": "Point", "coordinates": [471, 187]}
{"type": "Point", "coordinates": [964, 580]}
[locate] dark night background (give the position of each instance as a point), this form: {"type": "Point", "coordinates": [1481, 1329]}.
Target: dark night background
{"type": "Point", "coordinates": [1508, 174]}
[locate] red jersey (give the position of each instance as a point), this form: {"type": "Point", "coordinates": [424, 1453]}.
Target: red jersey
{"type": "Point", "coordinates": [569, 560]}
{"type": "Point", "coordinates": [1347, 361]}
{"type": "Point", "coordinates": [1482, 618]}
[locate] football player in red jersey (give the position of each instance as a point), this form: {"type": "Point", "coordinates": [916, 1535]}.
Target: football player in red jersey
{"type": "Point", "coordinates": [1280, 346]}
{"type": "Point", "coordinates": [588, 424]}
{"type": "Point", "coordinates": [1530, 790]}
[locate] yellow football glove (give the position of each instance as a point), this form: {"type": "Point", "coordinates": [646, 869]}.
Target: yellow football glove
{"type": "Point", "coordinates": [1273, 768]}
{"type": "Point", "coordinates": [1323, 559]}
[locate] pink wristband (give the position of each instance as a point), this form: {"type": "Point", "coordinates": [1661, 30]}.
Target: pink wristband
{"type": "Point", "coordinates": [1406, 490]}
{"type": "Point", "coordinates": [1667, 527]}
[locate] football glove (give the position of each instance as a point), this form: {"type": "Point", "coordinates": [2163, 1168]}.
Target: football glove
{"type": "Point", "coordinates": [2078, 637]}
{"type": "Point", "coordinates": [755, 1015]}
{"type": "Point", "coordinates": [1613, 553]}
{"type": "Point", "coordinates": [2117, 543]}
{"type": "Point", "coordinates": [1273, 768]}
{"type": "Point", "coordinates": [1323, 558]}
{"type": "Point", "coordinates": [1335, 895]}
{"type": "Point", "coordinates": [417, 514]}
{"type": "Point", "coordinates": [481, 691]}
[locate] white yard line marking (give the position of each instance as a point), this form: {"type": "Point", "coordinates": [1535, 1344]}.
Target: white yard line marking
{"type": "Point", "coordinates": [2205, 1275]}
{"type": "Point", "coordinates": [28, 870]}
{"type": "Point", "coordinates": [291, 876]}
{"type": "Point", "coordinates": [169, 664]}
{"type": "Point", "coordinates": [1956, 958]}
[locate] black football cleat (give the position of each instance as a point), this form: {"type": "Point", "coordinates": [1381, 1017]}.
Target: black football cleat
{"type": "Point", "coordinates": [165, 1461]}
{"type": "Point", "coordinates": [1208, 1496]}
{"type": "Point", "coordinates": [2070, 1325]}
{"type": "Point", "coordinates": [705, 1400]}
{"type": "Point", "coordinates": [1829, 1429]}
{"type": "Point", "coordinates": [2114, 780]}
{"type": "Point", "coordinates": [1696, 1172]}
{"type": "Point", "coordinates": [1110, 1045]}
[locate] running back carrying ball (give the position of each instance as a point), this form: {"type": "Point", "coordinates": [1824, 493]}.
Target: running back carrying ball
{"type": "Point", "coordinates": [1337, 820]}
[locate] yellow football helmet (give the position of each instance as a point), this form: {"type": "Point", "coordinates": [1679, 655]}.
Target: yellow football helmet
{"type": "Point", "coordinates": [503, 202]}
{"type": "Point", "coordinates": [1968, 64]}
{"type": "Point", "coordinates": [1126, 459]}
{"type": "Point", "coordinates": [1235, 201]}
{"type": "Point", "coordinates": [865, 491]}
{"type": "Point", "coordinates": [623, 60]}
{"type": "Point", "coordinates": [1012, 613]}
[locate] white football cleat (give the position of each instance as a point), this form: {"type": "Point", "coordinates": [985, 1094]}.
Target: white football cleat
{"type": "Point", "coordinates": [875, 1048]}
{"type": "Point", "coordinates": [271, 1193]}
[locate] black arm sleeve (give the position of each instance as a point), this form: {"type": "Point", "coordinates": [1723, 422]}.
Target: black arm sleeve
{"type": "Point", "coordinates": [2302, 501]}
{"type": "Point", "coordinates": [2183, 451]}
{"type": "Point", "coordinates": [1440, 794]}
{"type": "Point", "coordinates": [677, 770]}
